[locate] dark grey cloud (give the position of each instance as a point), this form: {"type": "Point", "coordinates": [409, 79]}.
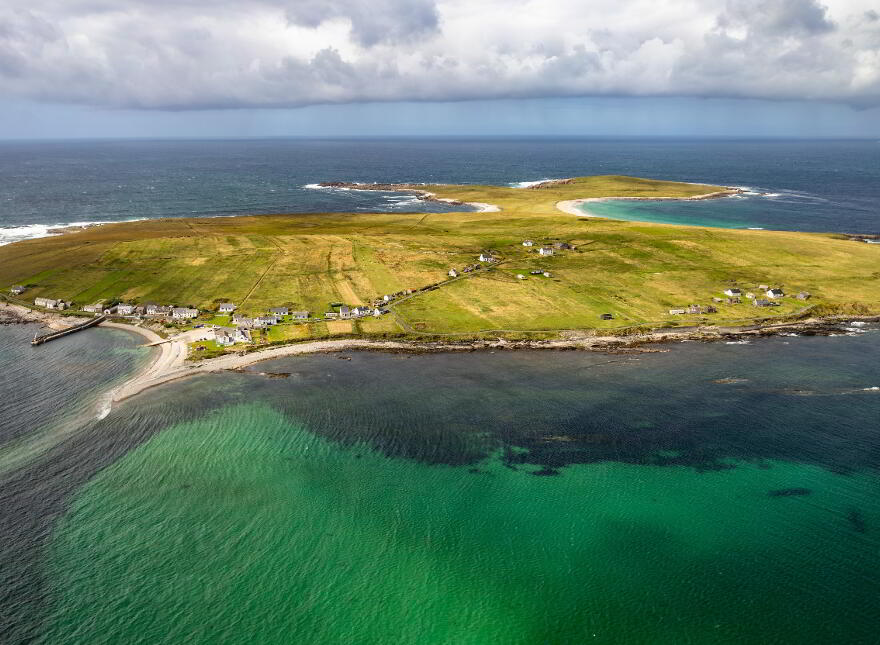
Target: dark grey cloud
{"type": "Point", "coordinates": [777, 17]}
{"type": "Point", "coordinates": [372, 21]}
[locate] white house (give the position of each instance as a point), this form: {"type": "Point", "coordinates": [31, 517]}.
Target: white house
{"type": "Point", "coordinates": [520, 276]}
{"type": "Point", "coordinates": [158, 310]}
{"type": "Point", "coordinates": [357, 312]}
{"type": "Point", "coordinates": [345, 312]}
{"type": "Point", "coordinates": [124, 309]}
{"type": "Point", "coordinates": [453, 273]}
{"type": "Point", "coordinates": [183, 313]}
{"type": "Point", "coordinates": [279, 311]}
{"type": "Point", "coordinates": [677, 312]}
{"type": "Point", "coordinates": [94, 309]}
{"type": "Point", "coordinates": [265, 321]}
{"type": "Point", "coordinates": [226, 308]}
{"type": "Point", "coordinates": [49, 303]}
{"type": "Point", "coordinates": [528, 243]}
{"type": "Point", "coordinates": [774, 293]}
{"type": "Point", "coordinates": [387, 297]}
{"type": "Point", "coordinates": [547, 274]}
{"type": "Point", "coordinates": [17, 290]}
{"type": "Point", "coordinates": [224, 336]}
{"type": "Point", "coordinates": [545, 250]}
{"type": "Point", "coordinates": [300, 315]}
{"type": "Point", "coordinates": [733, 291]}
{"type": "Point", "coordinates": [487, 257]}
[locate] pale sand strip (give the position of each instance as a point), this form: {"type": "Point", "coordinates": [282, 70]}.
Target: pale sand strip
{"type": "Point", "coordinates": [572, 206]}
{"type": "Point", "coordinates": [171, 364]}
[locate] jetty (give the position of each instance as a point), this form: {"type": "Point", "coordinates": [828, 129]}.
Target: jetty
{"type": "Point", "coordinates": [39, 339]}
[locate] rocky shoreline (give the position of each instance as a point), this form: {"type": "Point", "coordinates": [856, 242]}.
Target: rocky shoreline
{"type": "Point", "coordinates": [11, 314]}
{"type": "Point", "coordinates": [828, 326]}
{"type": "Point", "coordinates": [418, 190]}
{"type": "Point", "coordinates": [171, 364]}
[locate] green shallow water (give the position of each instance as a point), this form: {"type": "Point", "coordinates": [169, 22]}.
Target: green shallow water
{"type": "Point", "coordinates": [711, 493]}
{"type": "Point", "coordinates": [243, 527]}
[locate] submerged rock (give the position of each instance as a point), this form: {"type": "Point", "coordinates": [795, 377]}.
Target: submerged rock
{"type": "Point", "coordinates": [789, 492]}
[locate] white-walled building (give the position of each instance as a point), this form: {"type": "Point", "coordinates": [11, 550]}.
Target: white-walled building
{"type": "Point", "coordinates": [184, 313]}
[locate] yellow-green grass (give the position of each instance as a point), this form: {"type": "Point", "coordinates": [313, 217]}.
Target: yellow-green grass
{"type": "Point", "coordinates": [635, 271]}
{"type": "Point", "coordinates": [288, 332]}
{"type": "Point", "coordinates": [206, 349]}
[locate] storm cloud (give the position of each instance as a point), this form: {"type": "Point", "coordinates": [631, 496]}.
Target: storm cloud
{"type": "Point", "coordinates": [196, 54]}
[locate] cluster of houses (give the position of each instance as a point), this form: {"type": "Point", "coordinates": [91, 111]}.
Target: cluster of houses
{"type": "Point", "coordinates": [51, 303]}
{"type": "Point", "coordinates": [276, 314]}
{"type": "Point", "coordinates": [734, 297]}
{"type": "Point", "coordinates": [158, 311]}
{"type": "Point", "coordinates": [694, 309]}
{"type": "Point", "coordinates": [546, 250]}
{"type": "Point", "coordinates": [489, 257]}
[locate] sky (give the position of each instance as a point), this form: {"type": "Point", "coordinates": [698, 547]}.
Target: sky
{"type": "Point", "coordinates": [209, 68]}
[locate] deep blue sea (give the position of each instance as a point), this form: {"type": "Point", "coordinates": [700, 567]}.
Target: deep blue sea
{"type": "Point", "coordinates": [796, 185]}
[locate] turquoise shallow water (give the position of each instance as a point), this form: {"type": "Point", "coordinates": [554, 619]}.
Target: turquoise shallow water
{"type": "Point", "coordinates": [709, 494]}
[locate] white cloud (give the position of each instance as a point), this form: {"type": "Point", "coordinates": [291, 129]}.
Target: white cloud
{"type": "Point", "coordinates": [193, 54]}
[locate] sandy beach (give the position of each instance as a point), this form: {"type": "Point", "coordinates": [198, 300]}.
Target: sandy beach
{"type": "Point", "coordinates": [573, 206]}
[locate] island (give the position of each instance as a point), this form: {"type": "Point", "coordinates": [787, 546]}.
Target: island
{"type": "Point", "coordinates": [522, 267]}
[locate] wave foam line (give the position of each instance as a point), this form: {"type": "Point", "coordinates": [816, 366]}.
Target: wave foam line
{"type": "Point", "coordinates": [10, 234]}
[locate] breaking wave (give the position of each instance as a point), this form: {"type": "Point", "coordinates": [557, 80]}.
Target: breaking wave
{"type": "Point", "coordinates": [526, 184]}
{"type": "Point", "coordinates": [10, 234]}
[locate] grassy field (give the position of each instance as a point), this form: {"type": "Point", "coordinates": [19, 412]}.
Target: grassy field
{"type": "Point", "coordinates": [635, 271]}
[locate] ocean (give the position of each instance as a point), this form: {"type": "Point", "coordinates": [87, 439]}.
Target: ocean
{"type": "Point", "coordinates": [711, 493]}
{"type": "Point", "coordinates": [831, 186]}
{"type": "Point", "coordinates": [702, 493]}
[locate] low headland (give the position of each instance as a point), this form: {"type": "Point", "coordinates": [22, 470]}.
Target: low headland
{"type": "Point", "coordinates": [518, 273]}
